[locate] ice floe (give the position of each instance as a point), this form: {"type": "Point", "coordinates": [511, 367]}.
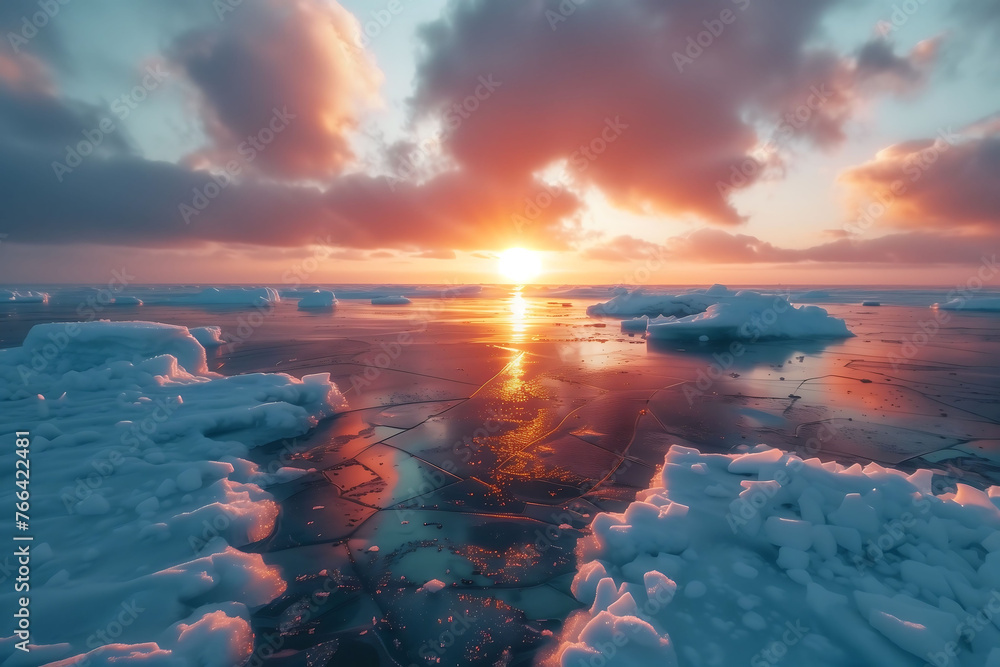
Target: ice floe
{"type": "Point", "coordinates": [759, 557]}
{"type": "Point", "coordinates": [141, 492]}
{"type": "Point", "coordinates": [750, 316]}
{"type": "Point", "coordinates": [8, 296]}
{"type": "Point", "coordinates": [390, 301]}
{"type": "Point", "coordinates": [227, 296]}
{"type": "Point", "coordinates": [989, 304]}
{"type": "Point", "coordinates": [639, 302]}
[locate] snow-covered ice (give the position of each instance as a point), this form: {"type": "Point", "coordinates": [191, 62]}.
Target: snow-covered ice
{"type": "Point", "coordinates": [208, 336]}
{"type": "Point", "coordinates": [636, 325]}
{"type": "Point", "coordinates": [639, 302]}
{"type": "Point", "coordinates": [227, 296]}
{"type": "Point", "coordinates": [126, 301]}
{"type": "Point", "coordinates": [390, 301]}
{"type": "Point", "coordinates": [9, 296]}
{"type": "Point", "coordinates": [750, 316]}
{"type": "Point", "coordinates": [718, 313]}
{"type": "Point", "coordinates": [144, 494]}
{"type": "Point", "coordinates": [319, 299]}
{"type": "Point", "coordinates": [760, 556]}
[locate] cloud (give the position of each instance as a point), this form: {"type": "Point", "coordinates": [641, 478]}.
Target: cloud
{"type": "Point", "coordinates": [603, 94]}
{"type": "Point", "coordinates": [436, 254]}
{"type": "Point", "coordinates": [299, 59]}
{"type": "Point", "coordinates": [622, 249]}
{"type": "Point", "coordinates": [951, 181]}
{"type": "Point", "coordinates": [683, 114]}
{"type": "Point", "coordinates": [716, 246]}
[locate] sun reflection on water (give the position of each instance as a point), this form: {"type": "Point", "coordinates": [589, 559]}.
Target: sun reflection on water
{"type": "Point", "coordinates": [518, 308]}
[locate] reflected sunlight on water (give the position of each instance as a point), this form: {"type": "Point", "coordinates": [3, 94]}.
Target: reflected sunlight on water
{"type": "Point", "coordinates": [518, 308]}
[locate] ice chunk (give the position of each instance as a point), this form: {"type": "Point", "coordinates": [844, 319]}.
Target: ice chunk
{"type": "Point", "coordinates": [751, 316]}
{"type": "Point", "coordinates": [390, 301]}
{"type": "Point", "coordinates": [142, 456]}
{"type": "Point", "coordinates": [988, 304]}
{"type": "Point", "coordinates": [208, 336]}
{"type": "Point", "coordinates": [636, 325]}
{"type": "Point", "coordinates": [788, 533]}
{"type": "Point", "coordinates": [887, 566]}
{"type": "Point", "coordinates": [228, 296]}
{"type": "Point", "coordinates": [320, 299]}
{"type": "Point", "coordinates": [7, 296]}
{"type": "Point", "coordinates": [126, 301]}
{"type": "Point", "coordinates": [432, 586]}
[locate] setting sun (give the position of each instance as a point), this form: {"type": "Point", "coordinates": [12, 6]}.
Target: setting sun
{"type": "Point", "coordinates": [520, 265]}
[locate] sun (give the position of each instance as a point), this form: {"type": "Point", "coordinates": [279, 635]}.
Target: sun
{"type": "Point", "coordinates": [520, 265]}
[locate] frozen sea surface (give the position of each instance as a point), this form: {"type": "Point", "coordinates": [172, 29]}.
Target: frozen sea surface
{"type": "Point", "coordinates": [485, 434]}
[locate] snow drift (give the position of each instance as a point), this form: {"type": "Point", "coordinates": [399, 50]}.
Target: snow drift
{"type": "Point", "coordinates": [760, 556]}
{"type": "Point", "coordinates": [141, 494]}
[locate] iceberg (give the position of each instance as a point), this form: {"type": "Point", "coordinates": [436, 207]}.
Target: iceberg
{"type": "Point", "coordinates": [144, 493]}
{"type": "Point", "coordinates": [228, 296]}
{"type": "Point", "coordinates": [637, 325]}
{"type": "Point", "coordinates": [750, 316]}
{"type": "Point", "coordinates": [7, 296]}
{"type": "Point", "coordinates": [983, 304]}
{"type": "Point", "coordinates": [638, 302]}
{"type": "Point", "coordinates": [208, 336]}
{"type": "Point", "coordinates": [320, 299]}
{"type": "Point", "coordinates": [126, 301]}
{"type": "Point", "coordinates": [390, 301]}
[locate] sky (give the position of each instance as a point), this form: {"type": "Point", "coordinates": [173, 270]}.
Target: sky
{"type": "Point", "coordinates": [637, 141]}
